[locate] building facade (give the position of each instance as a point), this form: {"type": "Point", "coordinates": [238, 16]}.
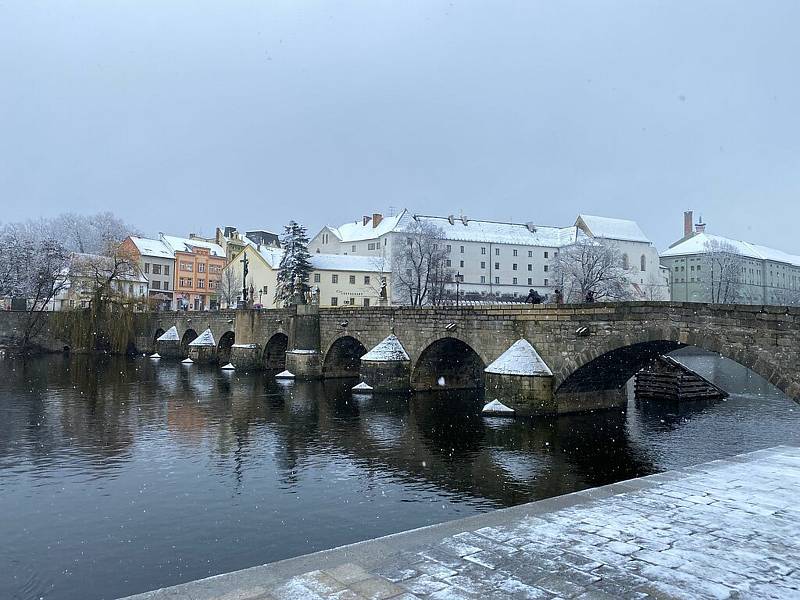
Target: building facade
{"type": "Point", "coordinates": [87, 272]}
{"type": "Point", "coordinates": [233, 242]}
{"type": "Point", "coordinates": [710, 268]}
{"type": "Point", "coordinates": [198, 270]}
{"type": "Point", "coordinates": [157, 263]}
{"type": "Point", "coordinates": [505, 260]}
{"type": "Point", "coordinates": [337, 280]}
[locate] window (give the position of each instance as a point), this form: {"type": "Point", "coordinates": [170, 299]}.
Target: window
{"type": "Point", "coordinates": [545, 255]}
{"type": "Point", "coordinates": [698, 268]}
{"type": "Point", "coordinates": [166, 269]}
{"type": "Point", "coordinates": [514, 267]}
{"type": "Point", "coordinates": [156, 285]}
{"type": "Point", "coordinates": [187, 266]}
{"type": "Point", "coordinates": [545, 281]}
{"type": "Point", "coordinates": [545, 269]}
{"type": "Point", "coordinates": [317, 278]}
{"type": "Point", "coordinates": [201, 283]}
{"type": "Point", "coordinates": [353, 248]}
{"type": "Point", "coordinates": [166, 285]}
{"type": "Point", "coordinates": [366, 279]}
{"type": "Point", "coordinates": [530, 267]}
{"type": "Point", "coordinates": [483, 278]}
{"type": "Point", "coordinates": [201, 267]}
{"type": "Point", "coordinates": [211, 284]}
{"type": "Point", "coordinates": [497, 280]}
{"type": "Point", "coordinates": [483, 264]}
{"type": "Point", "coordinates": [156, 269]}
{"type": "Point", "coordinates": [483, 250]}
{"type": "Point", "coordinates": [530, 253]}
{"type": "Point", "coordinates": [146, 267]}
{"type": "Point", "coordinates": [497, 251]}
{"type": "Point", "coordinates": [626, 263]}
{"type": "Point", "coordinates": [449, 263]}
{"type": "Point", "coordinates": [515, 251]}
{"type": "Point", "coordinates": [334, 279]}
{"type": "Point", "coordinates": [515, 281]}
{"type": "Point", "coordinates": [366, 301]}
{"type": "Point", "coordinates": [449, 247]}
{"type": "Point", "coordinates": [352, 279]}
{"type": "Point", "coordinates": [188, 282]}
{"type": "Point", "coordinates": [496, 266]}
{"type": "Point", "coordinates": [371, 246]}
{"type": "Point", "coordinates": [264, 289]}
{"type": "Point", "coordinates": [462, 250]}
{"type": "Point", "coordinates": [461, 263]}
{"type": "Point", "coordinates": [409, 241]}
{"type": "Point", "coordinates": [334, 301]}
{"type": "Point", "coordinates": [643, 263]}
{"type": "Point", "coordinates": [530, 281]}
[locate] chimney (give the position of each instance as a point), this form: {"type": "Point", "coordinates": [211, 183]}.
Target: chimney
{"type": "Point", "coordinates": [464, 219]}
{"type": "Point", "coordinates": [531, 227]}
{"type": "Point", "coordinates": [687, 223]}
{"type": "Point", "coordinates": [700, 227]}
{"type": "Point", "coordinates": [451, 219]}
{"type": "Point", "coordinates": [376, 219]}
{"type": "Point", "coordinates": [364, 220]}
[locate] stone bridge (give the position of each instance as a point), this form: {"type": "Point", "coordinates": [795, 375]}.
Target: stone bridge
{"type": "Point", "coordinates": [591, 350]}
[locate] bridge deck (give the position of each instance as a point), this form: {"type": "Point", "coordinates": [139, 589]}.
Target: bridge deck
{"type": "Point", "coordinates": [728, 528]}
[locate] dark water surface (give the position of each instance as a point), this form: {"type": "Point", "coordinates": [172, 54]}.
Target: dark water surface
{"type": "Point", "coordinates": [125, 475]}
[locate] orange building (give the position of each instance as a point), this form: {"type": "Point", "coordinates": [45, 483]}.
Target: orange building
{"type": "Point", "coordinates": [198, 271]}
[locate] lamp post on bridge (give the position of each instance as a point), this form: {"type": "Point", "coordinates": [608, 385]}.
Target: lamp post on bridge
{"type": "Point", "coordinates": [459, 281]}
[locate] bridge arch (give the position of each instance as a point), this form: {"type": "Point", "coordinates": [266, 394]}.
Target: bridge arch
{"type": "Point", "coordinates": [448, 363]}
{"type": "Point", "coordinates": [343, 357]}
{"type": "Point", "coordinates": [224, 346]}
{"type": "Point", "coordinates": [188, 336]}
{"type": "Point", "coordinates": [159, 332]}
{"type": "Point", "coordinates": [611, 363]}
{"type": "Point", "coordinates": [273, 357]}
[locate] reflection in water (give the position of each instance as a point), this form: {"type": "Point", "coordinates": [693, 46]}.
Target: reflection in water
{"type": "Point", "coordinates": [122, 475]}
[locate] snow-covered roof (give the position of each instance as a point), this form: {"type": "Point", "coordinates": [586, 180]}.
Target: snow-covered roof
{"type": "Point", "coordinates": [170, 335]}
{"type": "Point", "coordinates": [151, 247]}
{"type": "Point", "coordinates": [496, 232]}
{"type": "Point", "coordinates": [204, 339]}
{"type": "Point", "coordinates": [358, 231]}
{"type": "Point", "coordinates": [520, 359]}
{"type": "Point", "coordinates": [389, 349]}
{"type": "Point", "coordinates": [179, 244]}
{"type": "Point", "coordinates": [329, 262]}
{"type": "Point", "coordinates": [612, 229]}
{"type": "Point", "coordinates": [702, 243]}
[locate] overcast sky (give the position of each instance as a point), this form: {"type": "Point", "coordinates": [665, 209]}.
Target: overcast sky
{"type": "Point", "coordinates": [180, 116]}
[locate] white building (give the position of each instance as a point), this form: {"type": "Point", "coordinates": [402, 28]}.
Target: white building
{"type": "Point", "coordinates": [502, 259]}
{"type": "Point", "coordinates": [338, 280]}
{"type": "Point", "coordinates": [84, 275]}
{"type": "Point", "coordinates": [714, 268]}
{"type": "Point", "coordinates": [157, 263]}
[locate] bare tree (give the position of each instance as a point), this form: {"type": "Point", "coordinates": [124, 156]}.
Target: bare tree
{"type": "Point", "coordinates": [88, 234]}
{"type": "Point", "coordinates": [230, 286]}
{"type": "Point", "coordinates": [725, 278]}
{"type": "Point", "coordinates": [589, 265]}
{"type": "Point", "coordinates": [32, 268]}
{"type": "Point", "coordinates": [104, 276]}
{"type": "Point", "coordinates": [419, 264]}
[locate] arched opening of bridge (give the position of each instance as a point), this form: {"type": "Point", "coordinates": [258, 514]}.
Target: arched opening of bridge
{"type": "Point", "coordinates": [448, 363]}
{"type": "Point", "coordinates": [188, 337]}
{"type": "Point", "coordinates": [343, 358]}
{"type": "Point", "coordinates": [274, 357]}
{"type": "Point", "coordinates": [224, 347]}
{"type": "Point", "coordinates": [600, 382]}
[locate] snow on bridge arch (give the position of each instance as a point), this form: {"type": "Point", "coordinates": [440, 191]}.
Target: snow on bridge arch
{"type": "Point", "coordinates": [389, 350]}
{"type": "Point", "coordinates": [204, 339]}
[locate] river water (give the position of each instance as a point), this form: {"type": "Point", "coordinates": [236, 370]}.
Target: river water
{"type": "Point", "coordinates": [123, 475]}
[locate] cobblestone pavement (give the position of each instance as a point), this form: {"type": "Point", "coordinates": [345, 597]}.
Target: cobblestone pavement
{"type": "Point", "coordinates": [725, 529]}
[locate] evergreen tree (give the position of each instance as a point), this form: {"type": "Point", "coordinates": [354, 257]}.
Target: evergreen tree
{"type": "Point", "coordinates": [295, 267]}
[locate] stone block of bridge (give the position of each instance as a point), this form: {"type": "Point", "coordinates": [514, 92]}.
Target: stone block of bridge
{"type": "Point", "coordinates": [246, 357]}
